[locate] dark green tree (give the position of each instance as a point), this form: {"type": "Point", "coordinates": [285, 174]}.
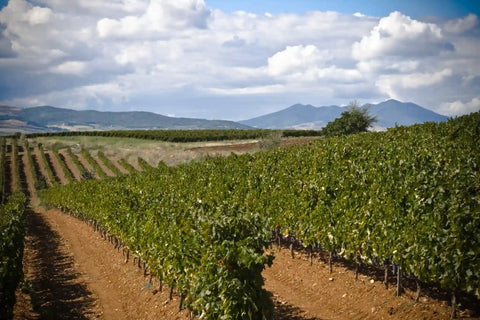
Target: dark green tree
{"type": "Point", "coordinates": [356, 119]}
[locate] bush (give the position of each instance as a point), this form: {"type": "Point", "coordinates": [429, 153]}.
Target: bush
{"type": "Point", "coordinates": [271, 140]}
{"type": "Point", "coordinates": [355, 120]}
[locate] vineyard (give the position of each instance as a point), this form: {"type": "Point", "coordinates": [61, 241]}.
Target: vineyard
{"type": "Point", "coordinates": [407, 199]}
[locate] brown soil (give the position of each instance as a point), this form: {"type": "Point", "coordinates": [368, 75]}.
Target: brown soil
{"type": "Point", "coordinates": [120, 167]}
{"type": "Point", "coordinates": [248, 147]}
{"type": "Point", "coordinates": [41, 164]}
{"type": "Point", "coordinates": [87, 165]}
{"type": "Point", "coordinates": [36, 156]}
{"type": "Point", "coordinates": [57, 169]}
{"type": "Point", "coordinates": [321, 295]}
{"type": "Point", "coordinates": [71, 165]}
{"type": "Point", "coordinates": [76, 274]}
{"type": "Point", "coordinates": [105, 169]}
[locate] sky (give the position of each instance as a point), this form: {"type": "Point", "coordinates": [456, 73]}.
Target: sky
{"type": "Point", "coordinates": [236, 60]}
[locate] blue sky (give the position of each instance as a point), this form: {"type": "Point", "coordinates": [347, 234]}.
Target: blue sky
{"type": "Point", "coordinates": [238, 59]}
{"type": "Point", "coordinates": [414, 8]}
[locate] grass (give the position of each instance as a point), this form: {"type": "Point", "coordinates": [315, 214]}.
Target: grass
{"type": "Point", "coordinates": [130, 149]}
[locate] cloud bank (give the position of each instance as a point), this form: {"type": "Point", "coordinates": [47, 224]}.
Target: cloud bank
{"type": "Point", "coordinates": [184, 58]}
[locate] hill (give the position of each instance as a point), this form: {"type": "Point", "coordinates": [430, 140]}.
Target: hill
{"type": "Point", "coordinates": [388, 113]}
{"type": "Point", "coordinates": [48, 118]}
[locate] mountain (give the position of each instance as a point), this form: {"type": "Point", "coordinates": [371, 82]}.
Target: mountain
{"type": "Point", "coordinates": [389, 113]}
{"type": "Point", "coordinates": [393, 112]}
{"type": "Point", "coordinates": [295, 115]}
{"type": "Point", "coordinates": [47, 118]}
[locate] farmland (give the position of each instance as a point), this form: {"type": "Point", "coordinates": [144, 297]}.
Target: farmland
{"type": "Point", "coordinates": [166, 230]}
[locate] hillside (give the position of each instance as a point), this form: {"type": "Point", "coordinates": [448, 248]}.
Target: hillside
{"type": "Point", "coordinates": [47, 118]}
{"type": "Point", "coordinates": [388, 113]}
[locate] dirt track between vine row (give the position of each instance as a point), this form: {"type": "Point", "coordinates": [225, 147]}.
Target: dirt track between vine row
{"type": "Point", "coordinates": [76, 274]}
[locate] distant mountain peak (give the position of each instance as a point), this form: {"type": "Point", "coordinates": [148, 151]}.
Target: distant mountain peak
{"type": "Point", "coordinates": [389, 113]}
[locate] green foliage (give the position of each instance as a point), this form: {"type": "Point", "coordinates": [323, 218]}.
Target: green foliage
{"type": "Point", "coordinates": [79, 165]}
{"type": "Point", "coordinates": [47, 167]}
{"type": "Point", "coordinates": [183, 135]}
{"type": "Point", "coordinates": [15, 165]}
{"type": "Point", "coordinates": [410, 192]}
{"type": "Point", "coordinates": [354, 120]}
{"type": "Point", "coordinates": [12, 234]}
{"type": "Point", "coordinates": [39, 182]}
{"type": "Point", "coordinates": [68, 175]}
{"type": "Point", "coordinates": [108, 163]}
{"type": "Point", "coordinates": [144, 164]}
{"type": "Point", "coordinates": [124, 163]}
{"type": "Point", "coordinates": [96, 167]}
{"type": "Point", "coordinates": [209, 248]}
{"type": "Point", "coordinates": [2, 169]}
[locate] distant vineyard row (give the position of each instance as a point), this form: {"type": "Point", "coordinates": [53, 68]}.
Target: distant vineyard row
{"type": "Point", "coordinates": [410, 194]}
{"type": "Point", "coordinates": [185, 135]}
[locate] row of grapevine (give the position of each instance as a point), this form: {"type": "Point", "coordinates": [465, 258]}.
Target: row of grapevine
{"type": "Point", "coordinates": [410, 193]}
{"type": "Point", "coordinates": [96, 167]}
{"type": "Point", "coordinates": [46, 165]}
{"type": "Point", "coordinates": [144, 164]}
{"type": "Point", "coordinates": [214, 259]}
{"type": "Point", "coordinates": [15, 166]}
{"type": "Point", "coordinates": [124, 163]}
{"type": "Point", "coordinates": [185, 135]}
{"type": "Point", "coordinates": [12, 233]}
{"type": "Point", "coordinates": [76, 162]}
{"type": "Point", "coordinates": [39, 180]}
{"type": "Point", "coordinates": [109, 164]}
{"type": "Point", "coordinates": [2, 168]}
{"type": "Point", "coordinates": [61, 161]}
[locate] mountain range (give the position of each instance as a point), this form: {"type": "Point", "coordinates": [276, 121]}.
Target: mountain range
{"type": "Point", "coordinates": [388, 113]}
{"type": "Point", "coordinates": [298, 116]}
{"type": "Point", "coordinates": [47, 119]}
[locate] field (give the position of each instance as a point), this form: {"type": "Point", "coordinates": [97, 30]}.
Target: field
{"type": "Point", "coordinates": [75, 272]}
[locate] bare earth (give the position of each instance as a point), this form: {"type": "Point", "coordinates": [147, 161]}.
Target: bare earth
{"type": "Point", "coordinates": [76, 274]}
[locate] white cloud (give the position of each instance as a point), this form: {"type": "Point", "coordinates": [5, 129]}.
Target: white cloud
{"type": "Point", "coordinates": [185, 58]}
{"type": "Point", "coordinates": [38, 15]}
{"type": "Point", "coordinates": [268, 89]}
{"type": "Point", "coordinates": [389, 83]}
{"type": "Point", "coordinates": [70, 67]}
{"type": "Point", "coordinates": [462, 24]}
{"type": "Point", "coordinates": [399, 35]}
{"type": "Point", "coordinates": [296, 59]}
{"type": "Point", "coordinates": [160, 16]}
{"type": "Point", "coordinates": [308, 64]}
{"type": "Point", "coordinates": [457, 108]}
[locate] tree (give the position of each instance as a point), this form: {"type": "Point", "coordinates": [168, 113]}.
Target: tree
{"type": "Point", "coordinates": [356, 119]}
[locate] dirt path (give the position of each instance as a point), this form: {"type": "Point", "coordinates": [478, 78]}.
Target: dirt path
{"type": "Point", "coordinates": [321, 295]}
{"type": "Point", "coordinates": [59, 289]}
